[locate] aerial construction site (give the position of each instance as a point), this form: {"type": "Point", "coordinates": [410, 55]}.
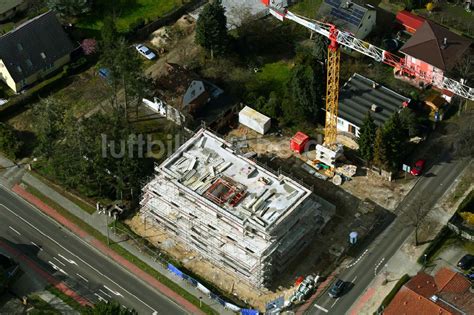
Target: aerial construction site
{"type": "Point", "coordinates": [236, 214]}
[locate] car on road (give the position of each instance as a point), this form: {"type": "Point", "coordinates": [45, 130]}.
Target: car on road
{"type": "Point", "coordinates": [145, 52]}
{"type": "Point", "coordinates": [336, 289]}
{"type": "Point", "coordinates": [417, 168]}
{"type": "Point", "coordinates": [466, 262]}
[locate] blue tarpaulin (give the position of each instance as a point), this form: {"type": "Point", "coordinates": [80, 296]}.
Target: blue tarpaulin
{"type": "Point", "coordinates": [175, 270]}
{"type": "Point", "coordinates": [248, 312]}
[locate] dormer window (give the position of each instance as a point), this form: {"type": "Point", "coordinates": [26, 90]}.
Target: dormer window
{"type": "Point", "coordinates": [29, 63]}
{"type": "Point", "coordinates": [19, 69]}
{"type": "Point", "coordinates": [19, 46]}
{"type": "Point", "coordinates": [43, 55]}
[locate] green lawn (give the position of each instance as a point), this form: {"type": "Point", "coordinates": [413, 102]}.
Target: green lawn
{"type": "Point", "coordinates": [272, 77]}
{"type": "Point", "coordinates": [128, 13]}
{"type": "Point", "coordinates": [307, 8]}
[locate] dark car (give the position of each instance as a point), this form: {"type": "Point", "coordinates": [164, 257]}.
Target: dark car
{"type": "Point", "coordinates": [466, 262]}
{"type": "Point", "coordinates": [336, 289]}
{"type": "Point", "coordinates": [470, 276]}
{"type": "Point", "coordinates": [418, 168]}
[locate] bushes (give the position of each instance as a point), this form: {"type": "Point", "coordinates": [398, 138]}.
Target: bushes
{"type": "Point", "coordinates": [435, 245]}
{"type": "Point", "coordinates": [10, 145]}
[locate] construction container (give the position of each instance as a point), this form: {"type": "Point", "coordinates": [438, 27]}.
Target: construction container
{"type": "Point", "coordinates": [254, 120]}
{"type": "Point", "coordinates": [298, 142]}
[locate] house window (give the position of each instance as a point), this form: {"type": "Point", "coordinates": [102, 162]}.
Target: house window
{"type": "Point", "coordinates": [29, 63]}
{"type": "Point", "coordinates": [19, 46]}
{"type": "Point", "coordinates": [19, 69]}
{"type": "Point", "coordinates": [340, 122]}
{"type": "Point", "coordinates": [352, 129]}
{"type": "Point", "coordinates": [43, 55]}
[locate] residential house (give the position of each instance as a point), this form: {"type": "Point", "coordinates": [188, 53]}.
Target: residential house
{"type": "Point", "coordinates": [33, 50]}
{"type": "Point", "coordinates": [196, 96]}
{"type": "Point", "coordinates": [9, 8]}
{"type": "Point", "coordinates": [356, 18]}
{"type": "Point", "coordinates": [445, 293]}
{"type": "Point", "coordinates": [433, 50]}
{"type": "Point", "coordinates": [360, 95]}
{"type": "Point", "coordinates": [410, 22]}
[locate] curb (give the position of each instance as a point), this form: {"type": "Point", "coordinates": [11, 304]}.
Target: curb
{"type": "Point", "coordinates": [49, 211]}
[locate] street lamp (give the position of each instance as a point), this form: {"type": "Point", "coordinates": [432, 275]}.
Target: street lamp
{"type": "Point", "coordinates": [424, 259]}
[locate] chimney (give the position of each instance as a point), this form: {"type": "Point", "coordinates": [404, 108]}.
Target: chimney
{"type": "Point", "coordinates": [445, 43]}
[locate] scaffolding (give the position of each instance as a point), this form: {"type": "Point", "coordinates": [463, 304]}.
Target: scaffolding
{"type": "Point", "coordinates": [233, 212]}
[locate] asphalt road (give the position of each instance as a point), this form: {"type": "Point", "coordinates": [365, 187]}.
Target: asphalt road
{"type": "Point", "coordinates": [429, 188]}
{"type": "Point", "coordinates": [70, 259]}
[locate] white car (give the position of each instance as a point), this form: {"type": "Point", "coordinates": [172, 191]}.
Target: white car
{"type": "Point", "coordinates": [145, 51]}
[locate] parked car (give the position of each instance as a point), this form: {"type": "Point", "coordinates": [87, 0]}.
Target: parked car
{"type": "Point", "coordinates": [470, 275]}
{"type": "Point", "coordinates": [145, 51]}
{"type": "Point", "coordinates": [466, 262]}
{"type": "Point", "coordinates": [417, 169]}
{"type": "Point", "coordinates": [336, 289]}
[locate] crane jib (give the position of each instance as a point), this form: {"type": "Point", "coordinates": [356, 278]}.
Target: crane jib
{"type": "Point", "coordinates": [348, 40]}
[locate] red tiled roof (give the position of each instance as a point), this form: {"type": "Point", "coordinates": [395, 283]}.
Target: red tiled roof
{"type": "Point", "coordinates": [449, 286]}
{"type": "Point", "coordinates": [409, 19]}
{"type": "Point", "coordinates": [451, 282]}
{"type": "Point", "coordinates": [427, 44]}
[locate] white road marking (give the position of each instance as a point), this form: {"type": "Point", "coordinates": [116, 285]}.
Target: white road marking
{"type": "Point", "coordinates": [57, 268]}
{"type": "Point", "coordinates": [11, 228]}
{"type": "Point", "coordinates": [355, 278]}
{"type": "Point", "coordinates": [321, 308]}
{"type": "Point", "coordinates": [114, 292]}
{"type": "Point", "coordinates": [68, 260]}
{"type": "Point", "coordinates": [357, 260]}
{"type": "Point", "coordinates": [37, 245]}
{"type": "Point", "coordinates": [378, 265]}
{"type": "Point", "coordinates": [101, 298]}
{"type": "Point", "coordinates": [82, 277]}
{"type": "Point", "coordinates": [334, 302]}
{"type": "Point", "coordinates": [65, 249]}
{"type": "Point", "coordinates": [105, 293]}
{"type": "Point", "coordinates": [59, 261]}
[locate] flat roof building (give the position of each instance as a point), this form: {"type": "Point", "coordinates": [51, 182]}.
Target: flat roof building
{"type": "Point", "coordinates": [235, 213]}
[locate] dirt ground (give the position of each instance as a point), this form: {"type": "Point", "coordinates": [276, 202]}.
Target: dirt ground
{"type": "Point", "coordinates": [177, 42]}
{"type": "Point", "coordinates": [194, 262]}
{"type": "Point", "coordinates": [363, 186]}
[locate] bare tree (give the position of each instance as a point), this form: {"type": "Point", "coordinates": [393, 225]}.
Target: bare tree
{"type": "Point", "coordinates": [415, 216]}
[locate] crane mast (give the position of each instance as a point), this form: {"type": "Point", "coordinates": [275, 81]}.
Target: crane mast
{"type": "Point", "coordinates": [348, 40]}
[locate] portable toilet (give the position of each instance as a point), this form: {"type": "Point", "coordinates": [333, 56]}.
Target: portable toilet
{"type": "Point", "coordinates": [298, 142]}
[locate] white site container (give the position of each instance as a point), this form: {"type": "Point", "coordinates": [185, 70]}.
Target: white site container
{"type": "Point", "coordinates": [254, 120]}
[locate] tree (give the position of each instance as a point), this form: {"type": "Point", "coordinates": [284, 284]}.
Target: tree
{"type": "Point", "coordinates": [10, 145]}
{"type": "Point", "coordinates": [430, 6]}
{"type": "Point", "coordinates": [415, 215]}
{"type": "Point", "coordinates": [380, 152]}
{"type": "Point", "coordinates": [367, 138]}
{"type": "Point", "coordinates": [111, 308]}
{"type": "Point", "coordinates": [409, 121]}
{"type": "Point", "coordinates": [320, 48]}
{"type": "Point", "coordinates": [69, 7]}
{"type": "Point", "coordinates": [394, 138]}
{"type": "Point", "coordinates": [49, 114]}
{"type": "Point", "coordinates": [305, 90]}
{"type": "Point", "coordinates": [211, 28]}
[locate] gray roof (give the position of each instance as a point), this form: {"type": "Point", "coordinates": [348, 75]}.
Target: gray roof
{"type": "Point", "coordinates": [195, 89]}
{"type": "Point", "coordinates": [357, 96]}
{"type": "Point", "coordinates": [346, 14]}
{"type": "Point", "coordinates": [34, 45]}
{"type": "Point", "coordinates": [7, 5]}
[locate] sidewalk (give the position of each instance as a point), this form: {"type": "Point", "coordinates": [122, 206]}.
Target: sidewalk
{"type": "Point", "coordinates": [405, 259]}
{"type": "Point", "coordinates": [57, 303]}
{"type": "Point", "coordinates": [99, 222]}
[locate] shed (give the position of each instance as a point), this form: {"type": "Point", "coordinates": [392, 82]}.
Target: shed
{"type": "Point", "coordinates": [254, 120]}
{"type": "Point", "coordinates": [411, 22]}
{"type": "Point", "coordinates": [298, 142]}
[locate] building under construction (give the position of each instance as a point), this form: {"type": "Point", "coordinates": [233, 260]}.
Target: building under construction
{"type": "Point", "coordinates": [235, 213]}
